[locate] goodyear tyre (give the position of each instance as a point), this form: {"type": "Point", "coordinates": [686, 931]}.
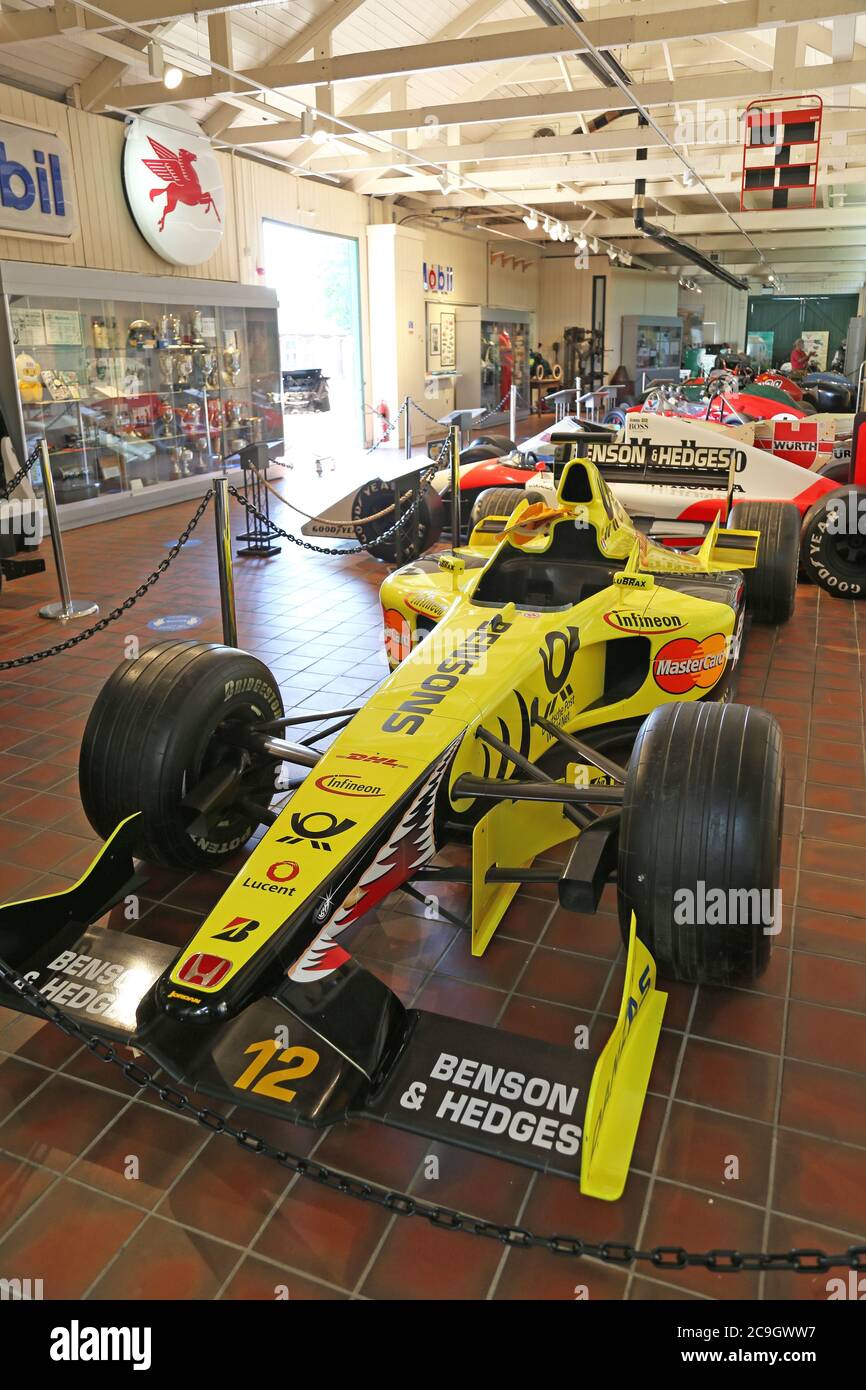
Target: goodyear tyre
{"type": "Point", "coordinates": [771, 586]}
{"type": "Point", "coordinates": [500, 501]}
{"type": "Point", "coordinates": [154, 733]}
{"type": "Point", "coordinates": [700, 840]}
{"type": "Point", "coordinates": [833, 542]}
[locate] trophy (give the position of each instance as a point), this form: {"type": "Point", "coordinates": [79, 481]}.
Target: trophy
{"type": "Point", "coordinates": [166, 367]}
{"type": "Point", "coordinates": [182, 368]}
{"type": "Point", "coordinates": [206, 361]}
{"type": "Point", "coordinates": [231, 366]}
{"type": "Point", "coordinates": [169, 331]}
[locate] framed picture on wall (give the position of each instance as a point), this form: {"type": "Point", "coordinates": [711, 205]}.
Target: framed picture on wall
{"type": "Point", "coordinates": [434, 340]}
{"type": "Point", "coordinates": [447, 338]}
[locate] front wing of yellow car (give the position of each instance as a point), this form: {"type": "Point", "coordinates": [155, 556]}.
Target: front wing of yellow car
{"type": "Point", "coordinates": [353, 1049]}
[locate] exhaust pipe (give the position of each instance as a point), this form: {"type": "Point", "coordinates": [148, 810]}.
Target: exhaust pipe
{"type": "Point", "coordinates": [658, 234]}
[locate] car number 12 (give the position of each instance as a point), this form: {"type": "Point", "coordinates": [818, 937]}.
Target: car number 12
{"type": "Point", "coordinates": [301, 1062]}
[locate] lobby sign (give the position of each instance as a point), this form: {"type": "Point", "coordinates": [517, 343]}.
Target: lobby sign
{"type": "Point", "coordinates": [37, 189]}
{"type": "Point", "coordinates": [173, 185]}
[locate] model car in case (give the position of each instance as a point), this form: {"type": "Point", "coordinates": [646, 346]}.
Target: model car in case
{"type": "Point", "coordinates": [572, 694]}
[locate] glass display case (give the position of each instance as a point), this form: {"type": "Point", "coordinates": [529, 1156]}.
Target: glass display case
{"type": "Point", "coordinates": [504, 359]}
{"type": "Point", "coordinates": [651, 348]}
{"type": "Point", "coordinates": [492, 354]}
{"type": "Point", "coordinates": [133, 393]}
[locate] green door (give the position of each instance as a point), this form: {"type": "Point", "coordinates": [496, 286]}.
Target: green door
{"type": "Point", "coordinates": [789, 316]}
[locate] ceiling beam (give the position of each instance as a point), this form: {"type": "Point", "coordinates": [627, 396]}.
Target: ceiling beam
{"type": "Point", "coordinates": [620, 135]}
{"type": "Point", "coordinates": [542, 42]}
{"type": "Point", "coordinates": [727, 87]}
{"type": "Point", "coordinates": [304, 42]}
{"type": "Point", "coordinates": [51, 21]}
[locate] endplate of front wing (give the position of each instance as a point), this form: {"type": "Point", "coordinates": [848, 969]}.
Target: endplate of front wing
{"type": "Point", "coordinates": [568, 1111]}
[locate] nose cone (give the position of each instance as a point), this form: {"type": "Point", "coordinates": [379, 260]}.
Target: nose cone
{"type": "Point", "coordinates": [353, 832]}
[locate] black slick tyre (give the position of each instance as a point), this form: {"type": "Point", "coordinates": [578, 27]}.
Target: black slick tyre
{"type": "Point", "coordinates": [702, 812]}
{"type": "Point", "coordinates": [155, 732]}
{"type": "Point", "coordinates": [771, 587]}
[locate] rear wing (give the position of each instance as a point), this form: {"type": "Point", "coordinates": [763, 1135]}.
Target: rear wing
{"type": "Point", "coordinates": [703, 466]}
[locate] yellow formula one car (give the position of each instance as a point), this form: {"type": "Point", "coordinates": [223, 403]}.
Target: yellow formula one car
{"type": "Point", "coordinates": [566, 641]}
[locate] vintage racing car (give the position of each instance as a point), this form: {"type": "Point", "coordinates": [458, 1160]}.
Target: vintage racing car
{"type": "Point", "coordinates": [570, 695]}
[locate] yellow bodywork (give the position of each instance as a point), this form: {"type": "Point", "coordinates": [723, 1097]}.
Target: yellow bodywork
{"type": "Point", "coordinates": [481, 664]}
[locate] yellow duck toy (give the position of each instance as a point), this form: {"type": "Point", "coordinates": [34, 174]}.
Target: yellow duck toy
{"type": "Point", "coordinates": [29, 381]}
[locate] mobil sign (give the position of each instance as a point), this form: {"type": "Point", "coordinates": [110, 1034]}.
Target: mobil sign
{"type": "Point", "coordinates": [437, 279]}
{"type": "Point", "coordinates": [37, 192]}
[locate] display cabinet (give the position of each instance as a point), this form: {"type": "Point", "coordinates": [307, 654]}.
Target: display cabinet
{"type": "Point", "coordinates": [651, 348]}
{"type": "Point", "coordinates": [492, 353]}
{"type": "Point", "coordinates": [137, 383]}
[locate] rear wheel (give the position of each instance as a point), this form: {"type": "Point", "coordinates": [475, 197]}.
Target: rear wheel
{"type": "Point", "coordinates": [833, 542]}
{"type": "Point", "coordinates": [771, 586]}
{"type": "Point", "coordinates": [496, 441]}
{"type": "Point", "coordinates": [157, 729]}
{"type": "Point", "coordinates": [500, 501]}
{"type": "Point", "coordinates": [700, 840]}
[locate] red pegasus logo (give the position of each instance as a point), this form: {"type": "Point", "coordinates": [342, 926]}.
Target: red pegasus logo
{"type": "Point", "coordinates": [180, 179]}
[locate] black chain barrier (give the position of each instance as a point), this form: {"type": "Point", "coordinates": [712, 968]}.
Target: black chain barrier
{"type": "Point", "coordinates": [425, 482]}
{"type": "Point", "coordinates": [7, 488]}
{"type": "Point", "coordinates": [671, 1257]}
{"type": "Point", "coordinates": [121, 608]}
{"type": "Point", "coordinates": [661, 1257]}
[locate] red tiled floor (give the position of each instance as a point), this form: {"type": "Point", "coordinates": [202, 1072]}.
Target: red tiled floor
{"type": "Point", "coordinates": [777, 1066]}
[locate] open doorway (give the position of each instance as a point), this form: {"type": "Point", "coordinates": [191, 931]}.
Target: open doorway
{"type": "Point", "coordinates": [316, 277]}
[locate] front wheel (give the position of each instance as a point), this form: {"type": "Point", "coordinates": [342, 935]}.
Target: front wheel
{"type": "Point", "coordinates": [700, 840]}
{"type": "Point", "coordinates": [833, 542]}
{"type": "Point", "coordinates": [157, 729]}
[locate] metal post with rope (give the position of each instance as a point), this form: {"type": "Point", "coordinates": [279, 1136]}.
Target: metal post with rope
{"type": "Point", "coordinates": [67, 607]}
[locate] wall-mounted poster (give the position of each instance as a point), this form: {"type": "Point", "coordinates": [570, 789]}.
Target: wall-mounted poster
{"type": "Point", "coordinates": [447, 339]}
{"type": "Point", "coordinates": [817, 344]}
{"type": "Point", "coordinates": [759, 346]}
{"type": "Point", "coordinates": [63, 326]}
{"type": "Point", "coordinates": [28, 327]}
{"type": "Point", "coordinates": [434, 340]}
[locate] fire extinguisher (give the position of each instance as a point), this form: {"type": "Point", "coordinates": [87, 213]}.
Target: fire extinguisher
{"type": "Point", "coordinates": [384, 415]}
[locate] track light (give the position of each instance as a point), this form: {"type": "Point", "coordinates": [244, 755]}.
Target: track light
{"type": "Point", "coordinates": [320, 135]}
{"type": "Point", "coordinates": [307, 123]}
{"type": "Point", "coordinates": [566, 232]}
{"type": "Point", "coordinates": [593, 245]}
{"type": "Point", "coordinates": [531, 220]}
{"type": "Point", "coordinates": [611, 252]}
{"type": "Point", "coordinates": [173, 78]}
{"type": "Point", "coordinates": [546, 225]}
{"type": "Point", "coordinates": [156, 61]}
{"type": "Point", "coordinates": [581, 243]}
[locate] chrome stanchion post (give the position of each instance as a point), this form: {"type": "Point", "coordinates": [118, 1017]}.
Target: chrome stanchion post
{"type": "Point", "coordinates": [224, 562]}
{"type": "Point", "coordinates": [455, 485]}
{"type": "Point", "coordinates": [67, 607]}
{"type": "Point", "coordinates": [407, 427]}
{"type": "Point", "coordinates": [512, 412]}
